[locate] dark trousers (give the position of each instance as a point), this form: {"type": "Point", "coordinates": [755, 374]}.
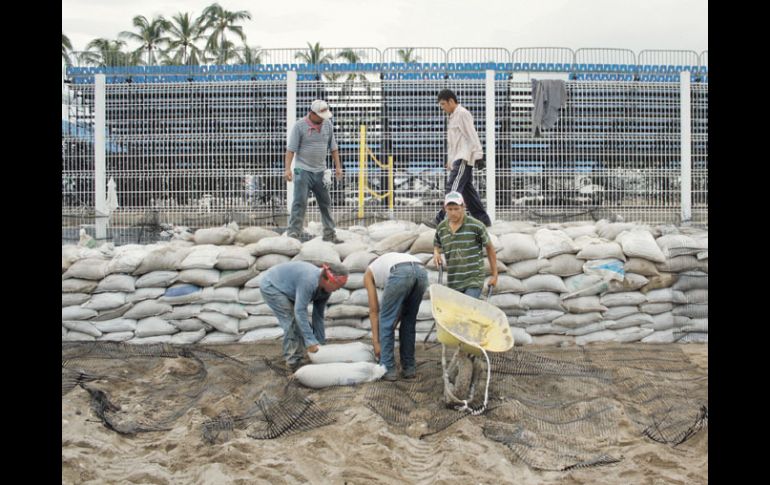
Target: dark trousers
{"type": "Point", "coordinates": [461, 180]}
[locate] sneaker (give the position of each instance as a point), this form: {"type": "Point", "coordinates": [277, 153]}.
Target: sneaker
{"type": "Point", "coordinates": [333, 239]}
{"type": "Point", "coordinates": [304, 237]}
{"type": "Point", "coordinates": [409, 373]}
{"type": "Point", "coordinates": [391, 376]}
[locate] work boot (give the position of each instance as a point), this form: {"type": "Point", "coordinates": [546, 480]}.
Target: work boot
{"type": "Point", "coordinates": [390, 376]}
{"type": "Point", "coordinates": [333, 239]}
{"type": "Point", "coordinates": [409, 373]}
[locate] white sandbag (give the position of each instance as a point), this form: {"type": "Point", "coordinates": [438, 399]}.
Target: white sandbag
{"type": "Point", "coordinates": [590, 328]}
{"type": "Point", "coordinates": [506, 300]}
{"type": "Point", "coordinates": [537, 316]}
{"type": "Point", "coordinates": [499, 227]}
{"type": "Point", "coordinates": [73, 336]}
{"type": "Point", "coordinates": [517, 247]}
{"type": "Point", "coordinates": [186, 338]}
{"type": "Point", "coordinates": [213, 338]}
{"type": "Point", "coordinates": [128, 258]}
{"type": "Point", "coordinates": [350, 352]}
{"type": "Point", "coordinates": [553, 340]}
{"type": "Point", "coordinates": [190, 325]}
{"type": "Point", "coordinates": [165, 258]}
{"type": "Point", "coordinates": [677, 245]}
{"type": "Point", "coordinates": [318, 252]}
{"type": "Point", "coordinates": [563, 265]}
{"type": "Point", "coordinates": [145, 294]}
{"type": "Point", "coordinates": [82, 327]}
{"type": "Point", "coordinates": [623, 299]}
{"type": "Point", "coordinates": [261, 334]}
{"type": "Point", "coordinates": [656, 308]}
{"type": "Point", "coordinates": [701, 255]}
{"type": "Point", "coordinates": [691, 337]}
{"type": "Point", "coordinates": [661, 295]}
{"type": "Point", "coordinates": [553, 242]}
{"type": "Point", "coordinates": [117, 282]}
{"type": "Point", "coordinates": [339, 296]}
{"type": "Point", "coordinates": [112, 313]}
{"type": "Point", "coordinates": [641, 266]}
{"type": "Point", "coordinates": [358, 261]}
{"type": "Point", "coordinates": [226, 295]}
{"type": "Point", "coordinates": [345, 333]}
{"type": "Point", "coordinates": [575, 320]}
{"type": "Point", "coordinates": [488, 269]}
{"type": "Point", "coordinates": [261, 309]}
{"type": "Point", "coordinates": [662, 336]}
{"type": "Point", "coordinates": [199, 277]}
{"type": "Point", "coordinates": [585, 285]}
{"type": "Point", "coordinates": [639, 243]}
{"type": "Point", "coordinates": [505, 284]}
{"type": "Point", "coordinates": [546, 328]}
{"type": "Point", "coordinates": [155, 339]}
{"type": "Point", "coordinates": [630, 282]}
{"type": "Point", "coordinates": [611, 230]}
{"type": "Point", "coordinates": [72, 299]}
{"type": "Point", "coordinates": [633, 334]}
{"type": "Point", "coordinates": [88, 269]}
{"type": "Point", "coordinates": [318, 376]}
{"type": "Point", "coordinates": [156, 279]}
{"type": "Point", "coordinates": [633, 320]}
{"type": "Point", "coordinates": [692, 310]}
{"type": "Point", "coordinates": [696, 325]}
{"type": "Point", "coordinates": [544, 282]}
{"type": "Point", "coordinates": [116, 337]}
{"type": "Point", "coordinates": [105, 301]}
{"type": "Point", "coordinates": [236, 278]}
{"type": "Point", "coordinates": [618, 312]}
{"type": "Point", "coordinates": [257, 321]}
{"type": "Point", "coordinates": [76, 312]}
{"type": "Point", "coordinates": [69, 254]}
{"type": "Point", "coordinates": [152, 326]}
{"type": "Point", "coordinates": [221, 322]}
{"type": "Point", "coordinates": [603, 250]}
{"type": "Point", "coordinates": [250, 235]}
{"type": "Point", "coordinates": [182, 312]}
{"type": "Point", "coordinates": [346, 311]}
{"type": "Point", "coordinates": [380, 230]}
{"type": "Point", "coordinates": [360, 297]}
{"type": "Point", "coordinates": [541, 301]}
{"type": "Point", "coordinates": [284, 245]}
{"type": "Point", "coordinates": [201, 257]}
{"type": "Point", "coordinates": [349, 247]}
{"type": "Point", "coordinates": [679, 264]}
{"type": "Point", "coordinates": [664, 280]}
{"type": "Point", "coordinates": [348, 322]}
{"type": "Point", "coordinates": [182, 293]}
{"type": "Point", "coordinates": [235, 310]}
{"type": "Point", "coordinates": [662, 321]}
{"type": "Point", "coordinates": [355, 281]}
{"type": "Point", "coordinates": [692, 281]}
{"type": "Point", "coordinates": [267, 261]}
{"type": "Point", "coordinates": [695, 296]}
{"type": "Point", "coordinates": [514, 311]}
{"type": "Point", "coordinates": [250, 296]}
{"type": "Point", "coordinates": [424, 242]}
{"type": "Point", "coordinates": [600, 336]}
{"type": "Point", "coordinates": [527, 268]}
{"type": "Point", "coordinates": [395, 243]}
{"type": "Point", "coordinates": [577, 231]}
{"type": "Point", "coordinates": [116, 325]}
{"type": "Point", "coordinates": [215, 235]}
{"type": "Point", "coordinates": [520, 336]}
{"type": "Point", "coordinates": [583, 304]}
{"type": "Point", "coordinates": [77, 285]}
{"type": "Point", "coordinates": [147, 308]}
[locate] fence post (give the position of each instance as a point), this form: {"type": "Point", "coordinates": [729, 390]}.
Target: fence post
{"type": "Point", "coordinates": [291, 117]}
{"type": "Point", "coordinates": [686, 145]}
{"type": "Point", "coordinates": [490, 131]}
{"type": "Point", "coordinates": [100, 159]}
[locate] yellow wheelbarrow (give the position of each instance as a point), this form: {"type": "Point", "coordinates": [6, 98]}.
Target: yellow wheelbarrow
{"type": "Point", "coordinates": [473, 327]}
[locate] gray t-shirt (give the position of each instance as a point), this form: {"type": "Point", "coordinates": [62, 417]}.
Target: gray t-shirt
{"type": "Point", "coordinates": [310, 146]}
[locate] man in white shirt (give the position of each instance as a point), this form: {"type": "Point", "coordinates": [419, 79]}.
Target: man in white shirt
{"type": "Point", "coordinates": [403, 280]}
{"type": "Point", "coordinates": [464, 148]}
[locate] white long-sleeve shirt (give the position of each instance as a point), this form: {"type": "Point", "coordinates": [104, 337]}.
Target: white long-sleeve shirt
{"type": "Point", "coordinates": [462, 140]}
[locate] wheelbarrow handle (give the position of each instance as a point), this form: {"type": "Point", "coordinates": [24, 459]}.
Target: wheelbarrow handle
{"type": "Point", "coordinates": [440, 274]}
{"type": "Point", "coordinates": [489, 292]}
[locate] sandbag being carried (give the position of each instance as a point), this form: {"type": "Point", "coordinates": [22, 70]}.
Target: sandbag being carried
{"type": "Point", "coordinates": [319, 376]}
{"type": "Point", "coordinates": [350, 352]}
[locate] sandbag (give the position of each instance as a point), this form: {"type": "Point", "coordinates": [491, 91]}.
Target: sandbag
{"type": "Point", "coordinates": [424, 242]}
{"type": "Point", "coordinates": [347, 311]}
{"type": "Point", "coordinates": [72, 299]}
{"type": "Point", "coordinates": [227, 295]}
{"type": "Point", "coordinates": [165, 258]}
{"type": "Point", "coordinates": [605, 250]}
{"type": "Point", "coordinates": [236, 278]}
{"type": "Point", "coordinates": [692, 310]}
{"type": "Point", "coordinates": [655, 308]}
{"type": "Point", "coordinates": [575, 320]}
{"type": "Point", "coordinates": [350, 352]}
{"type": "Point", "coordinates": [249, 235]}
{"type": "Point", "coordinates": [318, 376]}
{"type": "Point", "coordinates": [630, 282]}
{"type": "Point", "coordinates": [184, 311]}
{"type": "Point", "coordinates": [257, 321]}
{"type": "Point", "coordinates": [542, 301]}
{"type": "Point", "coordinates": [641, 266]}
{"type": "Point", "coordinates": [180, 294]}
{"type": "Point", "coordinates": [639, 243]}
{"type": "Point", "coordinates": [145, 294]}
{"type": "Point", "coordinates": [116, 325]}
{"type": "Point", "coordinates": [76, 312]}
{"type": "Point", "coordinates": [553, 242]}
{"type": "Point", "coordinates": [659, 337]}
{"type": "Point", "coordinates": [199, 277]}
{"type": "Point", "coordinates": [527, 268]}
{"type": "Point", "coordinates": [152, 326]}
{"type": "Point", "coordinates": [506, 300]}
{"type": "Point", "coordinates": [633, 320]}
{"type": "Point", "coordinates": [117, 282]}
{"type": "Point", "coordinates": [190, 325]}
{"type": "Point", "coordinates": [223, 323]}
{"type": "Point", "coordinates": [82, 327]}
{"type": "Point", "coordinates": [88, 269]}
{"type": "Point", "coordinates": [116, 337]}
{"type": "Point", "coordinates": [267, 261]}
{"type": "Point", "coordinates": [544, 282]}
{"type": "Point", "coordinates": [345, 333]}
{"type": "Point", "coordinates": [157, 279]}
{"type": "Point", "coordinates": [678, 264]}
{"type": "Point", "coordinates": [186, 338]}
{"type": "Point", "coordinates": [201, 257]}
{"type": "Point", "coordinates": [618, 312]}
{"type": "Point", "coordinates": [235, 310]}
{"type": "Point", "coordinates": [261, 334]}
{"type": "Point", "coordinates": [250, 296]}
{"type": "Point", "coordinates": [147, 308]}
{"type": "Point", "coordinates": [583, 304]}
{"type": "Point", "coordinates": [358, 261]}
{"type": "Point", "coordinates": [395, 243]}
{"type": "Point", "coordinates": [623, 299]}
{"type": "Point", "coordinates": [691, 281]}
{"type": "Point", "coordinates": [318, 252]}
{"type": "Point", "coordinates": [77, 285]}
{"type": "Point", "coordinates": [664, 280]}
{"type": "Point", "coordinates": [284, 245]}
{"type": "Point", "coordinates": [355, 281]}
{"type": "Point", "coordinates": [505, 284]}
{"type": "Point", "coordinates": [105, 301]}
{"type": "Point", "coordinates": [213, 338]}
{"type": "Point", "coordinates": [538, 316]}
{"type": "Point", "coordinates": [517, 247]}
{"type": "Point", "coordinates": [215, 235]}
{"type": "Point", "coordinates": [563, 265]}
{"type": "Point", "coordinates": [155, 339]}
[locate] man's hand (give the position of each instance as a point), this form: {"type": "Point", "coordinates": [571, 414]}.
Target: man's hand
{"type": "Point", "coordinates": [287, 175]}
{"type": "Point", "coordinates": [338, 173]}
{"type": "Point", "coordinates": [493, 280]}
{"type": "Point", "coordinates": [313, 348]}
{"type": "Point", "coordinates": [437, 259]}
{"type": "Point", "coordinates": [377, 349]}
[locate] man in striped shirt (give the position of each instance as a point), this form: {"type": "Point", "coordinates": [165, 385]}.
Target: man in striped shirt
{"type": "Point", "coordinates": [462, 238]}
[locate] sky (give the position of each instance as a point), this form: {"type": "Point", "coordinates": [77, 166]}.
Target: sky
{"type": "Point", "coordinates": [627, 24]}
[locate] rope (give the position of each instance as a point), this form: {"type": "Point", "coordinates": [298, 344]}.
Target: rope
{"type": "Point", "coordinates": [462, 404]}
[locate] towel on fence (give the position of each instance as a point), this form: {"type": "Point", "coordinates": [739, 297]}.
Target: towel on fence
{"type": "Point", "coordinates": [549, 95]}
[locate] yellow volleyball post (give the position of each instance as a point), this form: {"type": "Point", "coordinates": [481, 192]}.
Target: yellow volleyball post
{"type": "Point", "coordinates": [361, 170]}
{"type": "Point", "coordinates": [390, 184]}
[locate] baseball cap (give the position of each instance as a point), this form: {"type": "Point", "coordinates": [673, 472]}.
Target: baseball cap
{"type": "Point", "coordinates": [321, 108]}
{"type": "Point", "coordinates": [454, 198]}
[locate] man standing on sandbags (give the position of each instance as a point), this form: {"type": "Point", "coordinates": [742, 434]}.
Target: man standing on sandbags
{"type": "Point", "coordinates": [310, 138]}
{"type": "Point", "coordinates": [464, 149]}
{"type": "Point", "coordinates": [288, 289]}
{"type": "Point", "coordinates": [462, 239]}
{"type": "Point", "coordinates": [403, 280]}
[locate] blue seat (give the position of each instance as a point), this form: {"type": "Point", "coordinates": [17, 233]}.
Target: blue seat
{"type": "Point", "coordinates": [628, 77]}
{"type": "Point", "coordinates": [500, 66]}
{"type": "Point", "coordinates": [581, 67]}
{"type": "Point", "coordinates": [580, 76]}
{"type": "Point", "coordinates": [517, 66]}
{"type": "Point", "coordinates": [550, 66]}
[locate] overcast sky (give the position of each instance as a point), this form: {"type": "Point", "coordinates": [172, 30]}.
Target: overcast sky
{"type": "Point", "coordinates": [630, 24]}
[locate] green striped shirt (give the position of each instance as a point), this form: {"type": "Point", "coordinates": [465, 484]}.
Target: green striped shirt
{"type": "Point", "coordinates": [464, 253]}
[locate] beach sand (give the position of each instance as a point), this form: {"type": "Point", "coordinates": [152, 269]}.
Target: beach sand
{"type": "Point", "coordinates": [359, 448]}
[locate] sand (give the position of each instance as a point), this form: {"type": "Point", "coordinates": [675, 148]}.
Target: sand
{"type": "Point", "coordinates": [359, 448]}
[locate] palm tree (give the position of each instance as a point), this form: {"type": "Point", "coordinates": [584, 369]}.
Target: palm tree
{"type": "Point", "coordinates": [221, 21]}
{"type": "Point", "coordinates": [250, 55]}
{"type": "Point", "coordinates": [314, 55]}
{"type": "Point", "coordinates": [353, 57]}
{"type": "Point", "coordinates": [407, 55]}
{"type": "Point", "coordinates": [150, 35]}
{"type": "Point", "coordinates": [184, 32]}
{"type": "Point", "coordinates": [104, 52]}
{"type": "Point", "coordinates": [66, 46]}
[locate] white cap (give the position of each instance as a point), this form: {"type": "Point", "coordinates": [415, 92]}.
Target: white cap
{"type": "Point", "coordinates": [453, 198]}
{"type": "Point", "coordinates": [321, 108]}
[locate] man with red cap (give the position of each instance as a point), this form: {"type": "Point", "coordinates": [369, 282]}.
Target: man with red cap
{"type": "Point", "coordinates": [288, 289]}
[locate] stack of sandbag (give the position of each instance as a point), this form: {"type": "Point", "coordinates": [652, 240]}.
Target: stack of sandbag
{"type": "Point", "coordinates": [340, 365]}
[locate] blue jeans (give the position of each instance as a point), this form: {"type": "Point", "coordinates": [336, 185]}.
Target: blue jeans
{"type": "Point", "coordinates": [283, 308]}
{"type": "Point", "coordinates": [403, 293]}
{"type": "Point", "coordinates": [305, 181]}
{"type": "Point", "coordinates": [474, 292]}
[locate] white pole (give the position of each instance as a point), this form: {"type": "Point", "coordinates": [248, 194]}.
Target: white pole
{"type": "Point", "coordinates": [490, 122]}
{"type": "Point", "coordinates": [291, 117]}
{"type": "Point", "coordinates": [100, 159]}
{"type": "Point", "coordinates": [686, 145]}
